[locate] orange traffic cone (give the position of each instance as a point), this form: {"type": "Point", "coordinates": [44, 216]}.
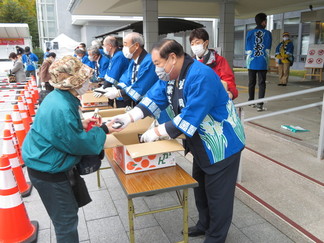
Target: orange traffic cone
{"type": "Point", "coordinates": [18, 125]}
{"type": "Point", "coordinates": [34, 85]}
{"type": "Point", "coordinates": [14, 220]}
{"type": "Point", "coordinates": [30, 103]}
{"type": "Point", "coordinates": [31, 90]}
{"type": "Point", "coordinates": [23, 114]}
{"type": "Point", "coordinates": [9, 125]}
{"type": "Point", "coordinates": [30, 117]}
{"type": "Point", "coordinates": [9, 150]}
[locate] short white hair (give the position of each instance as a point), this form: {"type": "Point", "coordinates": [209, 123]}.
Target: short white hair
{"type": "Point", "coordinates": [136, 38]}
{"type": "Point", "coordinates": [96, 43]}
{"type": "Point", "coordinates": [111, 40]}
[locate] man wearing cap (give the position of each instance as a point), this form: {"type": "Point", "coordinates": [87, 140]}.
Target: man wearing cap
{"type": "Point", "coordinates": [30, 60]}
{"type": "Point", "coordinates": [56, 142]}
{"type": "Point", "coordinates": [284, 54]}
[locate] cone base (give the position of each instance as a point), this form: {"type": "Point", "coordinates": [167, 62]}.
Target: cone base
{"type": "Point", "coordinates": [33, 237]}
{"type": "Point", "coordinates": [28, 191]}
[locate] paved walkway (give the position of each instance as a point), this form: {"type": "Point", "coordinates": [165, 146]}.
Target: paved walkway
{"type": "Point", "coordinates": [105, 218]}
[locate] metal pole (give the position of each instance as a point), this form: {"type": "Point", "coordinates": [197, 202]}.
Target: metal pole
{"type": "Point", "coordinates": [321, 135]}
{"type": "Point", "coordinates": [239, 175]}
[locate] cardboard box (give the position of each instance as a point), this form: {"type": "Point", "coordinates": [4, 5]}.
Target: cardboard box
{"type": "Point", "coordinates": [88, 100]}
{"type": "Point", "coordinates": [133, 156]}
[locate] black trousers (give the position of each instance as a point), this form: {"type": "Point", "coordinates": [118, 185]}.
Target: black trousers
{"type": "Point", "coordinates": [57, 196]}
{"type": "Point", "coordinates": [215, 197]}
{"type": "Point", "coordinates": [262, 75]}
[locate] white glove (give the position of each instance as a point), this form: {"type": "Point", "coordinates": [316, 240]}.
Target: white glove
{"type": "Point", "coordinates": [125, 119]}
{"type": "Point", "coordinates": [97, 94]}
{"type": "Point", "coordinates": [149, 136]}
{"type": "Point", "coordinates": [112, 93]}
{"type": "Point", "coordinates": [154, 134]}
{"type": "Point", "coordinates": [130, 116]}
{"type": "Point", "coordinates": [43, 84]}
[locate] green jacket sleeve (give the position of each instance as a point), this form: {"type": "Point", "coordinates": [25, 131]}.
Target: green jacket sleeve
{"type": "Point", "coordinates": [70, 137]}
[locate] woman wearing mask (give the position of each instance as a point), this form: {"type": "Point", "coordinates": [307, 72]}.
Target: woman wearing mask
{"type": "Point", "coordinates": [214, 134]}
{"type": "Point", "coordinates": [199, 40]}
{"type": "Point", "coordinates": [56, 142]}
{"type": "Point", "coordinates": [18, 68]}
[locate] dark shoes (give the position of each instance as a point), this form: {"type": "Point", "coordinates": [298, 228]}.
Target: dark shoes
{"type": "Point", "coordinates": [261, 108]}
{"type": "Point", "coordinates": [193, 232]}
{"type": "Point", "coordinates": [282, 84]}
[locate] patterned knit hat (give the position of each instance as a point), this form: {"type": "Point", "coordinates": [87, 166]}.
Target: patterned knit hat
{"type": "Point", "coordinates": [285, 34]}
{"type": "Point", "coordinates": [69, 73]}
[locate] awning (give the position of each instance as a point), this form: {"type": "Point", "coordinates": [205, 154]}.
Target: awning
{"type": "Point", "coordinates": [11, 30]}
{"type": "Point", "coordinates": [166, 25]}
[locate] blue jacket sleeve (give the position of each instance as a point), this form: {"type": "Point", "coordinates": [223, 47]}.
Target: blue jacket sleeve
{"type": "Point", "coordinates": [34, 57]}
{"type": "Point", "coordinates": [146, 78]}
{"type": "Point", "coordinates": [104, 62]}
{"type": "Point", "coordinates": [268, 40]}
{"type": "Point", "coordinates": [200, 94]}
{"type": "Point", "coordinates": [155, 100]}
{"type": "Point", "coordinates": [116, 68]}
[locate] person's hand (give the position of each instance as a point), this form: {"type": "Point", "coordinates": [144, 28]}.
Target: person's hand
{"type": "Point", "coordinates": [97, 94]}
{"type": "Point", "coordinates": [112, 93]}
{"type": "Point", "coordinates": [96, 122]}
{"type": "Point", "coordinates": [125, 119]}
{"type": "Point", "coordinates": [111, 128]}
{"type": "Point", "coordinates": [149, 136]}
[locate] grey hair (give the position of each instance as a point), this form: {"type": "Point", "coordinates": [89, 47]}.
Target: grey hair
{"type": "Point", "coordinates": [96, 43]}
{"type": "Point", "coordinates": [79, 51]}
{"type": "Point", "coordinates": [111, 40]}
{"type": "Point", "coordinates": [137, 38]}
{"type": "Point", "coordinates": [94, 50]}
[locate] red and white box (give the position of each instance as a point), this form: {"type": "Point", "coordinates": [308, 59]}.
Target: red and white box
{"type": "Point", "coordinates": [133, 156]}
{"type": "Point", "coordinates": [88, 100]}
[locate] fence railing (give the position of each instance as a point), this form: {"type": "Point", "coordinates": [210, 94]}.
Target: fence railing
{"type": "Point", "coordinates": [320, 150]}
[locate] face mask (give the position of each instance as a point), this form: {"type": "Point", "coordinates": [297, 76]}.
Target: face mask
{"type": "Point", "coordinates": [105, 51]}
{"type": "Point", "coordinates": [162, 74]}
{"type": "Point", "coordinates": [198, 50]}
{"type": "Point", "coordinates": [127, 53]}
{"type": "Point", "coordinates": [285, 38]}
{"type": "Point", "coordinates": [84, 88]}
{"type": "Point", "coordinates": [79, 57]}
{"type": "Point", "coordinates": [90, 58]}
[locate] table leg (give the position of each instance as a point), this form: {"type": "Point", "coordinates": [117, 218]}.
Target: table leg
{"type": "Point", "coordinates": [131, 221]}
{"type": "Point", "coordinates": [185, 215]}
{"type": "Point", "coordinates": [98, 178]}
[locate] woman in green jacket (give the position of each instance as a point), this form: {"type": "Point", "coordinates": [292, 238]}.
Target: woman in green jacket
{"type": "Point", "coordinates": [56, 142]}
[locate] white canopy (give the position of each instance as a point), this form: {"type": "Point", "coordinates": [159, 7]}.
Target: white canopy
{"type": "Point", "coordinates": [63, 45]}
{"type": "Point", "coordinates": [11, 30]}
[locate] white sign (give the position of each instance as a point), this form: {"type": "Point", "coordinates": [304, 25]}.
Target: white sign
{"type": "Point", "coordinates": [315, 56]}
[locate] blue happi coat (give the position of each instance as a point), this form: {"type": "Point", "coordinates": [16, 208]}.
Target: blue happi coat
{"type": "Point", "coordinates": [117, 66]}
{"type": "Point", "coordinates": [137, 80]}
{"type": "Point", "coordinates": [257, 48]}
{"type": "Point", "coordinates": [203, 108]}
